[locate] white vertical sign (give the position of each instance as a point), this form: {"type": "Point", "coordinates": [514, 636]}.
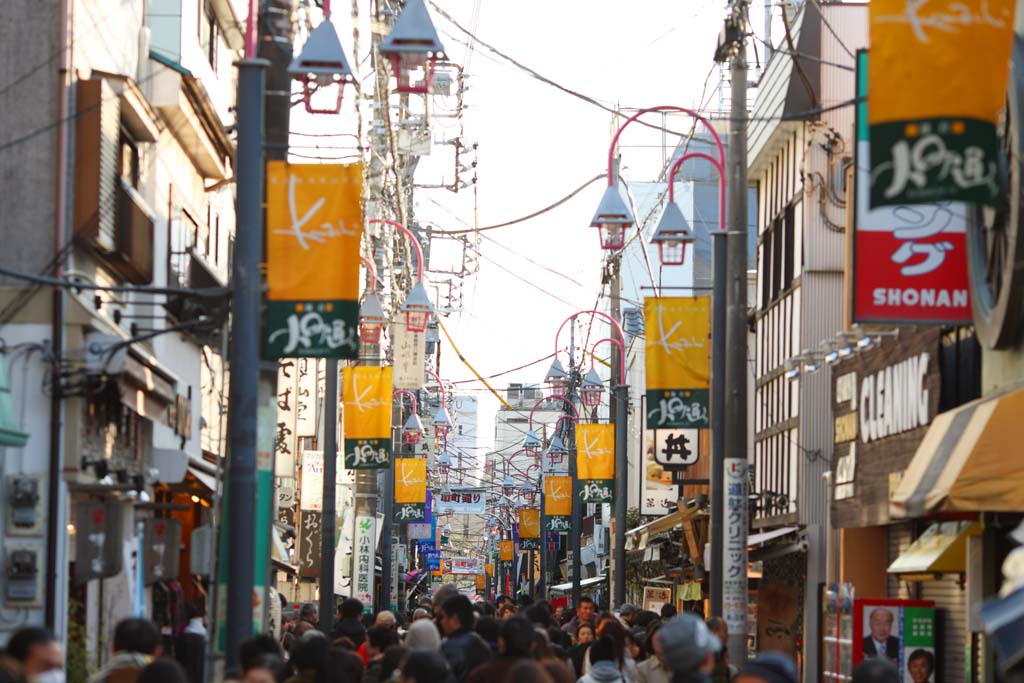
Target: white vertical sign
{"type": "Point", "coordinates": [284, 439]}
{"type": "Point", "coordinates": [365, 549]}
{"type": "Point", "coordinates": [734, 549]}
{"type": "Point", "coordinates": [311, 495]}
{"type": "Point", "coordinates": [409, 351]}
{"type": "Point", "coordinates": [343, 555]}
{"type": "Point", "coordinates": [306, 397]}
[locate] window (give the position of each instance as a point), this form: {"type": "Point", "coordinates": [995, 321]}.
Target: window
{"type": "Point", "coordinates": [209, 34]}
{"type": "Point", "coordinates": [959, 368]}
{"type": "Point", "coordinates": [128, 165]}
{"type": "Point", "coordinates": [778, 256]}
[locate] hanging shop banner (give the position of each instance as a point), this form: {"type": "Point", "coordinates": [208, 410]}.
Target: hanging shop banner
{"type": "Point", "coordinates": [658, 495]}
{"type": "Point", "coordinates": [529, 528]}
{"type": "Point", "coordinates": [161, 539]}
{"type": "Point", "coordinates": [411, 480]}
{"type": "Point", "coordinates": [481, 582]}
{"type": "Point", "coordinates": [433, 560]}
{"type": "Point", "coordinates": [909, 262]}
{"type": "Point", "coordinates": [459, 502]}
{"type": "Point", "coordinates": [310, 531]}
{"type": "Point", "coordinates": [409, 349]}
{"type": "Point", "coordinates": [99, 552]}
{"type": "Point", "coordinates": [366, 544]}
{"type": "Point", "coordinates": [311, 491]}
{"type": "Point", "coordinates": [506, 549]}
{"type": "Point", "coordinates": [557, 503]}
{"type": "Point", "coordinates": [410, 512]}
{"type": "Point", "coordinates": [285, 437]}
{"type": "Point", "coordinates": [367, 414]}
{"type": "Point", "coordinates": [677, 361]}
{"type": "Point", "coordinates": [489, 568]}
{"type": "Point", "coordinates": [595, 462]}
{"type": "Point", "coordinates": [418, 531]}
{"type": "Point", "coordinates": [314, 227]}
{"type": "Point", "coordinates": [466, 565]}
{"type": "Point", "coordinates": [902, 631]}
{"type": "Point", "coordinates": [939, 72]}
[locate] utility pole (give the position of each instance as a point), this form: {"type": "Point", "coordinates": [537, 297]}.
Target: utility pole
{"type": "Point", "coordinates": [619, 414]}
{"type": "Point", "coordinates": [329, 514]}
{"type": "Point", "coordinates": [576, 535]}
{"type": "Point", "coordinates": [733, 561]}
{"type": "Point", "coordinates": [244, 358]}
{"type": "Point", "coordinates": [389, 508]}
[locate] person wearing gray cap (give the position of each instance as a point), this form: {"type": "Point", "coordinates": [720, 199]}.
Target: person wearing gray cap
{"type": "Point", "coordinates": [688, 649]}
{"type": "Point", "coordinates": [627, 615]}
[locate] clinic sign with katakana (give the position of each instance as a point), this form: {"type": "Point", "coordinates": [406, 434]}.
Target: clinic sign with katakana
{"type": "Point", "coordinates": [938, 75]}
{"type": "Point", "coordinates": [314, 227]}
{"type": "Point", "coordinates": [909, 259]}
{"type": "Point", "coordinates": [677, 356]}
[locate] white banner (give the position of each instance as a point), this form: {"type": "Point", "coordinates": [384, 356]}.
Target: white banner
{"type": "Point", "coordinates": [409, 352]}
{"type": "Point", "coordinates": [467, 565]}
{"type": "Point", "coordinates": [419, 531]}
{"type": "Point", "coordinates": [365, 549]}
{"type": "Point", "coordinates": [306, 395]}
{"type": "Point", "coordinates": [461, 502]}
{"type": "Point", "coordinates": [343, 555]}
{"type": "Point", "coordinates": [284, 438]}
{"type": "Point", "coordinates": [311, 495]}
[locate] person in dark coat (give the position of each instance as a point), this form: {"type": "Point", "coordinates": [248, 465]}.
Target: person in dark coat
{"type": "Point", "coordinates": [464, 649]}
{"type": "Point", "coordinates": [350, 624]}
{"type": "Point", "coordinates": [190, 648]}
{"type": "Point", "coordinates": [514, 644]}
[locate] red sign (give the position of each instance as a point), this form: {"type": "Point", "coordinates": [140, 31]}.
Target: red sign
{"type": "Point", "coordinates": [909, 261]}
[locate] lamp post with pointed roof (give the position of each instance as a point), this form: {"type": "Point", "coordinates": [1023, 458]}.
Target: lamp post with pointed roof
{"type": "Point", "coordinates": [321, 63]}
{"type": "Point", "coordinates": [417, 307]}
{"type": "Point", "coordinates": [413, 46]}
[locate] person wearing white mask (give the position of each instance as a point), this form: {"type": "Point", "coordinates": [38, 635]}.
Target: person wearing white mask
{"type": "Point", "coordinates": [39, 654]}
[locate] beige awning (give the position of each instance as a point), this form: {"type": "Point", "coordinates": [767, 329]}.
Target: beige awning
{"type": "Point", "coordinates": [966, 461]}
{"type": "Point", "coordinates": [636, 539]}
{"type": "Point", "coordinates": [941, 549]}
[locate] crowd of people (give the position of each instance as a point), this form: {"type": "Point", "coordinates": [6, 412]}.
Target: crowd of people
{"type": "Point", "coordinates": [447, 639]}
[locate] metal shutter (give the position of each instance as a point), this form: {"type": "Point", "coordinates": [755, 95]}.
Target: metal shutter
{"type": "Point", "coordinates": [900, 537]}
{"type": "Point", "coordinates": [951, 617]}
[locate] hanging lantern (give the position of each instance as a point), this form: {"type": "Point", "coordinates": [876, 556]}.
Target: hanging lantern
{"type": "Point", "coordinates": [321, 63]}
{"type": "Point", "coordinates": [528, 491]}
{"type": "Point", "coordinates": [417, 309]}
{"type": "Point", "coordinates": [442, 422]}
{"type": "Point", "coordinates": [531, 443]}
{"type": "Point", "coordinates": [508, 485]}
{"type": "Point", "coordinates": [444, 459]}
{"type": "Point", "coordinates": [592, 389]}
{"type": "Point", "coordinates": [412, 430]}
{"type": "Point", "coordinates": [556, 379]}
{"type": "Point", "coordinates": [413, 47]}
{"type": "Point", "coordinates": [612, 218]}
{"type": "Point", "coordinates": [672, 235]}
{"type": "Point", "coordinates": [371, 319]}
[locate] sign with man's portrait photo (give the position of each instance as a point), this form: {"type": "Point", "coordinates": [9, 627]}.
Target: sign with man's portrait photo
{"type": "Point", "coordinates": [902, 631]}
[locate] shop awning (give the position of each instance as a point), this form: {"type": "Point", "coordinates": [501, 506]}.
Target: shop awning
{"type": "Point", "coordinates": [202, 475]}
{"type": "Point", "coordinates": [964, 463]}
{"type": "Point", "coordinates": [636, 539]}
{"type": "Point", "coordinates": [941, 549]}
{"type": "Point", "coordinates": [754, 541]}
{"type": "Point", "coordinates": [584, 583]}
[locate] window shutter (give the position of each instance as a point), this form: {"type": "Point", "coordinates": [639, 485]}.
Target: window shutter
{"type": "Point", "coordinates": [97, 134]}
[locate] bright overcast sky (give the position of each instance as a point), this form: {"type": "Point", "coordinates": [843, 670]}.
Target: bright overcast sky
{"type": "Point", "coordinates": [537, 144]}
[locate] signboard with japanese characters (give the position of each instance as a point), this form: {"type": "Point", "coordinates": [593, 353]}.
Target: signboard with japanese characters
{"type": "Point", "coordinates": [365, 549]}
{"type": "Point", "coordinates": [311, 524]}
{"type": "Point", "coordinates": [410, 512]}
{"type": "Point", "coordinates": [418, 531]}
{"type": "Point", "coordinates": [461, 502]}
{"type": "Point", "coordinates": [677, 361]}
{"type": "Point", "coordinates": [311, 493]}
{"type": "Point", "coordinates": [314, 226]}
{"type": "Point", "coordinates": [306, 405]}
{"type": "Point", "coordinates": [367, 416]}
{"type": "Point", "coordinates": [433, 560]}
{"type": "Point", "coordinates": [734, 560]}
{"type": "Point", "coordinates": [409, 351]}
{"type": "Point", "coordinates": [284, 437]}
{"type": "Point", "coordinates": [909, 259]}
{"type": "Point", "coordinates": [467, 565]}
{"type": "Point", "coordinates": [410, 480]}
{"type": "Point", "coordinates": [506, 550]}
{"type": "Point", "coordinates": [658, 494]}
{"type": "Point", "coordinates": [595, 462]}
{"type": "Point", "coordinates": [161, 540]}
{"type": "Point", "coordinates": [557, 503]}
{"type": "Point", "coordinates": [529, 528]}
{"type": "Point", "coordinates": [938, 73]}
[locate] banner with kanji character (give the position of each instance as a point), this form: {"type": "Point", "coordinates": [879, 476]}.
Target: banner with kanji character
{"type": "Point", "coordinates": [557, 503]}
{"type": "Point", "coordinates": [595, 462]}
{"type": "Point", "coordinates": [314, 227]}
{"type": "Point", "coordinates": [677, 361]}
{"type": "Point", "coordinates": [529, 528]}
{"type": "Point", "coordinates": [411, 480]}
{"type": "Point", "coordinates": [938, 77]}
{"type": "Point", "coordinates": [367, 416]}
{"type": "Point", "coordinates": [506, 550]}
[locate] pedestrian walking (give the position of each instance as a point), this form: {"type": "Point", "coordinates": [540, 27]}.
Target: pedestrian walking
{"type": "Point", "coordinates": [423, 635]}
{"type": "Point", "coordinates": [768, 667]}
{"type": "Point", "coordinates": [585, 614]}
{"type": "Point", "coordinates": [163, 670]}
{"type": "Point", "coordinates": [724, 672]}
{"type": "Point", "coordinates": [604, 664]}
{"type": "Point", "coordinates": [515, 643]}
{"type": "Point", "coordinates": [652, 669]}
{"type": "Point", "coordinates": [425, 667]}
{"type": "Point", "coordinates": [136, 644]}
{"type": "Point", "coordinates": [462, 647]}
{"type": "Point", "coordinates": [38, 655]}
{"type": "Point", "coordinates": [190, 648]}
{"type": "Point", "coordinates": [876, 670]}
{"type": "Point", "coordinates": [688, 649]}
{"type": "Point", "coordinates": [349, 625]}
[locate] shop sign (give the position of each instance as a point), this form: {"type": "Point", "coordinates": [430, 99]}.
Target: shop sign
{"type": "Point", "coordinates": [410, 512]}
{"type": "Point", "coordinates": [655, 597]}
{"type": "Point", "coordinates": [433, 560]}
{"type": "Point", "coordinates": [161, 541]}
{"type": "Point", "coordinates": [466, 565]}
{"type": "Point", "coordinates": [778, 616]}
{"type": "Point", "coordinates": [481, 582]}
{"type": "Point", "coordinates": [939, 71]}
{"type": "Point", "coordinates": [902, 631]}
{"type": "Point", "coordinates": [311, 493]}
{"type": "Point", "coordinates": [506, 550]}
{"type": "Point", "coordinates": [98, 540]}
{"type": "Point", "coordinates": [658, 493]}
{"type": "Point", "coordinates": [734, 562]}
{"type": "Point", "coordinates": [409, 352]}
{"type": "Point", "coordinates": [367, 415]}
{"type": "Point", "coordinates": [314, 226]}
{"type": "Point", "coordinates": [557, 503]}
{"type": "Point", "coordinates": [909, 257]}
{"type": "Point", "coordinates": [895, 399]}
{"type": "Point", "coordinates": [677, 361]}
{"type": "Point", "coordinates": [284, 431]}
{"type": "Point", "coordinates": [410, 480]}
{"type": "Point", "coordinates": [365, 548]}
{"type": "Point", "coordinates": [418, 531]}
{"type": "Point", "coordinates": [311, 522]}
{"type": "Point", "coordinates": [461, 502]}
{"type": "Point", "coordinates": [846, 473]}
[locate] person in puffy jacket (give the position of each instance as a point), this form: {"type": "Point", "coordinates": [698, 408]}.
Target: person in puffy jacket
{"type": "Point", "coordinates": [604, 667]}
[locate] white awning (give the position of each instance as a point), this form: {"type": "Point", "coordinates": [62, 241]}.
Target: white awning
{"type": "Point", "coordinates": [205, 478]}
{"type": "Point", "coordinates": [584, 583]}
{"type": "Point", "coordinates": [755, 540]}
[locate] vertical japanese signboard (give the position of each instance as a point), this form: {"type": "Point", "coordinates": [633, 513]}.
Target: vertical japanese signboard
{"type": "Point", "coordinates": [734, 560]}
{"type": "Point", "coordinates": [506, 549]}
{"type": "Point", "coordinates": [310, 529]}
{"type": "Point", "coordinates": [595, 462]}
{"type": "Point", "coordinates": [409, 351]}
{"type": "Point", "coordinates": [557, 504]}
{"type": "Point", "coordinates": [938, 73]}
{"type": "Point", "coordinates": [367, 416]}
{"type": "Point", "coordinates": [99, 549]}
{"type": "Point", "coordinates": [314, 226]}
{"type": "Point", "coordinates": [365, 549]}
{"type": "Point", "coordinates": [529, 528]}
{"type": "Point", "coordinates": [284, 431]}
{"type": "Point", "coordinates": [410, 489]}
{"type": "Point", "coordinates": [161, 539]}
{"type": "Point", "coordinates": [311, 494]}
{"type": "Point", "coordinates": [677, 361]}
{"type": "Point", "coordinates": [909, 261]}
